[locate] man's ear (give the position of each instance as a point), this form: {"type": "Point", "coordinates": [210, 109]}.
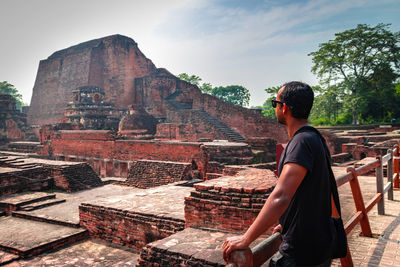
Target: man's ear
{"type": "Point", "coordinates": [285, 108]}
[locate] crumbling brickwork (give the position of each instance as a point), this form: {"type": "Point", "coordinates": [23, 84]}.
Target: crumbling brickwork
{"type": "Point", "coordinates": [229, 203]}
{"type": "Point", "coordinates": [20, 174]}
{"type": "Point", "coordinates": [124, 227]}
{"type": "Point", "coordinates": [150, 173]}
{"type": "Point", "coordinates": [12, 121]}
{"type": "Point", "coordinates": [14, 180]}
{"type": "Point", "coordinates": [111, 63]}
{"type": "Point", "coordinates": [128, 78]}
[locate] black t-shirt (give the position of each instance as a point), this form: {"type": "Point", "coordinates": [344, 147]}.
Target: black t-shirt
{"type": "Point", "coordinates": [306, 223]}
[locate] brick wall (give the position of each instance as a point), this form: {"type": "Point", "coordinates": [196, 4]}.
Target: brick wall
{"type": "Point", "coordinates": [38, 174]}
{"type": "Point", "coordinates": [12, 121]}
{"type": "Point", "coordinates": [75, 177]}
{"type": "Point", "coordinates": [111, 62]}
{"type": "Point", "coordinates": [17, 180]}
{"type": "Point", "coordinates": [190, 247]}
{"type": "Point", "coordinates": [249, 123]}
{"type": "Point", "coordinates": [229, 153]}
{"type": "Point", "coordinates": [102, 145]}
{"type": "Point", "coordinates": [126, 228]}
{"type": "Point", "coordinates": [149, 173]}
{"type": "Point", "coordinates": [229, 203]}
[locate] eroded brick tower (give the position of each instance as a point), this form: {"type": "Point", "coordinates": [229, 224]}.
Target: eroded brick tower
{"type": "Point", "coordinates": [111, 63]}
{"type": "Point", "coordinates": [116, 65]}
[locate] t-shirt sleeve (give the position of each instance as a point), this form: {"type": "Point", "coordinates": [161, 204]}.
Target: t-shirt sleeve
{"type": "Point", "coordinates": [300, 151]}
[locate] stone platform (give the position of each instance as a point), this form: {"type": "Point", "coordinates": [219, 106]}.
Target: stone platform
{"type": "Point", "coordinates": [67, 213]}
{"type": "Point", "coordinates": [30, 174]}
{"type": "Point", "coordinates": [29, 238]}
{"type": "Point", "coordinates": [12, 203]}
{"type": "Point", "coordinates": [136, 219]}
{"type": "Point", "coordinates": [190, 247]}
{"type": "Point", "coordinates": [229, 203]}
{"type": "Point", "coordinates": [6, 257]}
{"type": "Point", "coordinates": [86, 253]}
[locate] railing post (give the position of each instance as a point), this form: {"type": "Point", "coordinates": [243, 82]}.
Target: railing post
{"type": "Point", "coordinates": [379, 186]}
{"type": "Point", "coordinates": [347, 261]}
{"type": "Point", "coordinates": [359, 202]}
{"type": "Point", "coordinates": [396, 158]}
{"type": "Point", "coordinates": [390, 174]}
{"type": "Point", "coordinates": [241, 258]}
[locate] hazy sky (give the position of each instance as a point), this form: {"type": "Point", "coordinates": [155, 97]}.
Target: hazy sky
{"type": "Point", "coordinates": [253, 43]}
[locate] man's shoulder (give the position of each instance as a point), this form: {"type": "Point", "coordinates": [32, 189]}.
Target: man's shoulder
{"type": "Point", "coordinates": [306, 135]}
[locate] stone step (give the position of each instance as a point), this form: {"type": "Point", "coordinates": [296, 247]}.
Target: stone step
{"type": "Point", "coordinates": [190, 247]}
{"type": "Point", "coordinates": [41, 204]}
{"type": "Point", "coordinates": [14, 202]}
{"type": "Point", "coordinates": [40, 184]}
{"type": "Point", "coordinates": [28, 216]}
{"type": "Point", "coordinates": [6, 257]}
{"type": "Point", "coordinates": [226, 130]}
{"type": "Point", "coordinates": [28, 238]}
{"type": "Point", "coordinates": [24, 165]}
{"type": "Point", "coordinates": [233, 160]}
{"type": "Point", "coordinates": [210, 175]}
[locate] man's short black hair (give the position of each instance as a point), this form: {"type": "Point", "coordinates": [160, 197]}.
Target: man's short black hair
{"type": "Point", "coordinates": [300, 96]}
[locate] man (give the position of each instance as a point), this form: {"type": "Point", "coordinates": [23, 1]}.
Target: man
{"type": "Point", "coordinates": [301, 199]}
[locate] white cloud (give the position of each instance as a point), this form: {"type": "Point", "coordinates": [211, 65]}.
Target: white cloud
{"type": "Point", "coordinates": [255, 46]}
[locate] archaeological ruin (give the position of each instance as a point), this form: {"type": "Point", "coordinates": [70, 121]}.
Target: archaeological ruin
{"type": "Point", "coordinates": [121, 162]}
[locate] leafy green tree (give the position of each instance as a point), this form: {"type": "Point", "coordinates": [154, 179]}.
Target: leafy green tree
{"type": "Point", "coordinates": [357, 61]}
{"type": "Point", "coordinates": [234, 94]}
{"type": "Point", "coordinates": [267, 109]}
{"type": "Point", "coordinates": [9, 89]}
{"type": "Point", "coordinates": [327, 105]}
{"type": "Point", "coordinates": [273, 90]}
{"type": "Point", "coordinates": [193, 79]}
{"type": "Point", "coordinates": [206, 88]}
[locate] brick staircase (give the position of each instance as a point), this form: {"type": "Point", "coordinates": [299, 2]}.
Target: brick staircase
{"type": "Point", "coordinates": [23, 237]}
{"type": "Point", "coordinates": [228, 132]}
{"type": "Point", "coordinates": [28, 201]}
{"type": "Point", "coordinates": [220, 126]}
{"type": "Point", "coordinates": [176, 104]}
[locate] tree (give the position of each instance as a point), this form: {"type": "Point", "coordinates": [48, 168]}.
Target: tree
{"type": "Point", "coordinates": [356, 61]}
{"type": "Point", "coordinates": [193, 79]}
{"type": "Point", "coordinates": [234, 94]}
{"type": "Point", "coordinates": [267, 109]}
{"type": "Point", "coordinates": [9, 89]}
{"type": "Point", "coordinates": [327, 105]}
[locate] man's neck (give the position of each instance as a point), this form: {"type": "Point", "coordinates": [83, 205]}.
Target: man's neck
{"type": "Point", "coordinates": [293, 125]}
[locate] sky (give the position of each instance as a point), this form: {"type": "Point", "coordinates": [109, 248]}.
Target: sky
{"type": "Point", "coordinates": [253, 43]}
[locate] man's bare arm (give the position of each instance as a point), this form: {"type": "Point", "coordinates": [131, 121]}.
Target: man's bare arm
{"type": "Point", "coordinates": [291, 177]}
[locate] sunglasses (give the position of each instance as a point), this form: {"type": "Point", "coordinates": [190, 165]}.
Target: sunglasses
{"type": "Point", "coordinates": [274, 102]}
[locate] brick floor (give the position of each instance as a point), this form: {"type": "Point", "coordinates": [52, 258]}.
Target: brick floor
{"type": "Point", "coordinates": [383, 249]}
{"type": "Point", "coordinates": [85, 253]}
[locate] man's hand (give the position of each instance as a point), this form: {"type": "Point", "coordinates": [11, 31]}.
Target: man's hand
{"type": "Point", "coordinates": [231, 244]}
{"type": "Point", "coordinates": [277, 228]}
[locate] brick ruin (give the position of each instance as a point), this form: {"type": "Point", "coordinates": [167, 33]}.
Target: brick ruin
{"type": "Point", "coordinates": [116, 65]}
{"type": "Point", "coordinates": [89, 111]}
{"type": "Point", "coordinates": [13, 124]}
{"type": "Point", "coordinates": [102, 110]}
{"type": "Point", "coordinates": [19, 173]}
